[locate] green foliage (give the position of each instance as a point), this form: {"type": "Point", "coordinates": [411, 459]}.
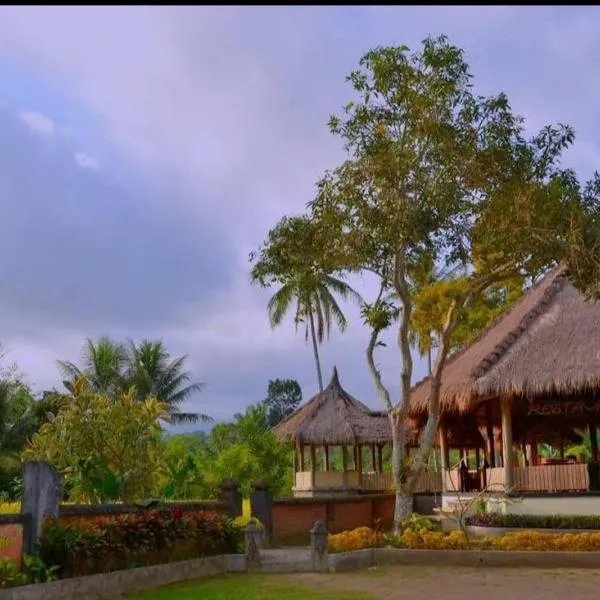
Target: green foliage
{"type": "Point", "coordinates": [10, 575]}
{"type": "Point", "coordinates": [113, 368]}
{"type": "Point", "coordinates": [283, 398]}
{"type": "Point", "coordinates": [417, 523]}
{"type": "Point", "coordinates": [93, 545]}
{"type": "Point", "coordinates": [110, 447]}
{"type": "Point", "coordinates": [246, 451]}
{"type": "Point", "coordinates": [495, 519]}
{"type": "Point", "coordinates": [36, 571]}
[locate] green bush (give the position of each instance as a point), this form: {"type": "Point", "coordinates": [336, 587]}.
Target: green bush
{"type": "Point", "coordinates": [535, 521]}
{"type": "Point", "coordinates": [10, 575]}
{"type": "Point", "coordinates": [83, 546]}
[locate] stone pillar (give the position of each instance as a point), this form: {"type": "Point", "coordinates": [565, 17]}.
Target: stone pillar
{"type": "Point", "coordinates": [261, 506]}
{"type": "Point", "coordinates": [231, 495]}
{"type": "Point", "coordinates": [507, 444]}
{"type": "Point", "coordinates": [42, 493]}
{"type": "Point", "coordinates": [318, 547]}
{"type": "Point", "coordinates": [252, 538]}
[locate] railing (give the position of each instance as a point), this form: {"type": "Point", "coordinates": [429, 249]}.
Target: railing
{"type": "Point", "coordinates": [551, 478]}
{"type": "Point", "coordinates": [428, 481]}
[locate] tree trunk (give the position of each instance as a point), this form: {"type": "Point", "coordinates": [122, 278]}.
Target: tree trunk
{"type": "Point", "coordinates": [316, 350]}
{"type": "Point", "coordinates": [404, 495]}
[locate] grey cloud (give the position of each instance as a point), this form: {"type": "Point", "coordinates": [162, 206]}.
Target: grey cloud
{"type": "Point", "coordinates": [80, 252]}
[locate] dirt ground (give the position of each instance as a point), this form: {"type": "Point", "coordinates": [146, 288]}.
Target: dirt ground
{"type": "Point", "coordinates": [408, 583]}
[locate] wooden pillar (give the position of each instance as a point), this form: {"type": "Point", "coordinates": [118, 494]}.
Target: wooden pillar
{"type": "Point", "coordinates": [593, 439]}
{"type": "Point", "coordinates": [507, 444]}
{"type": "Point", "coordinates": [313, 464]}
{"type": "Point", "coordinates": [526, 448]}
{"type": "Point", "coordinates": [491, 447]}
{"type": "Point", "coordinates": [295, 459]}
{"type": "Point", "coordinates": [477, 458]}
{"type": "Point", "coordinates": [373, 459]}
{"type": "Point", "coordinates": [345, 465]}
{"type": "Point", "coordinates": [445, 456]}
{"type": "Point", "coordinates": [359, 458]}
{"type": "Point", "coordinates": [326, 455]}
{"type": "Point", "coordinates": [301, 451]}
{"type": "Point", "coordinates": [562, 446]}
{"type": "Point", "coordinates": [380, 457]}
{"type": "Point", "coordinates": [533, 449]}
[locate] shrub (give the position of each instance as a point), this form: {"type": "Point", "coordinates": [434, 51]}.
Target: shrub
{"type": "Point", "coordinates": [10, 576]}
{"type": "Point", "coordinates": [535, 521]}
{"type": "Point", "coordinates": [429, 540]}
{"type": "Point", "coordinates": [84, 546]}
{"type": "Point", "coordinates": [244, 520]}
{"type": "Point", "coordinates": [357, 539]}
{"type": "Point", "coordinates": [418, 523]}
{"type": "Point", "coordinates": [538, 541]}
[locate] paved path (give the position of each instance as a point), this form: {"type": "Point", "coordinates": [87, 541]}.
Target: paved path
{"type": "Point", "coordinates": [443, 583]}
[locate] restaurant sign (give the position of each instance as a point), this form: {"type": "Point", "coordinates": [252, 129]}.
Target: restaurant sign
{"type": "Point", "coordinates": [563, 407]}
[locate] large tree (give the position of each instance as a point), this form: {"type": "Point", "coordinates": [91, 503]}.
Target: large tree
{"type": "Point", "coordinates": [283, 398]}
{"type": "Point", "coordinates": [308, 288]}
{"type": "Point", "coordinates": [436, 172]}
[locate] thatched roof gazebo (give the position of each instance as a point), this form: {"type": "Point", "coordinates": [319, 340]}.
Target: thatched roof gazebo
{"type": "Point", "coordinates": [532, 375]}
{"type": "Point", "coordinates": [331, 419]}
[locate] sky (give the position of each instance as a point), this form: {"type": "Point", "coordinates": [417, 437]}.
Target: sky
{"type": "Point", "coordinates": [145, 151]}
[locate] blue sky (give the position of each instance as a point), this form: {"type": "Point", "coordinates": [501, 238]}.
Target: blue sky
{"type": "Point", "coordinates": [144, 151]}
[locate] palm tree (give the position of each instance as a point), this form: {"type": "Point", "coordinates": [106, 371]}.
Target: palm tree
{"type": "Point", "coordinates": [111, 368]}
{"type": "Point", "coordinates": [104, 362]}
{"type": "Point", "coordinates": [316, 307]}
{"type": "Point", "coordinates": [150, 368]}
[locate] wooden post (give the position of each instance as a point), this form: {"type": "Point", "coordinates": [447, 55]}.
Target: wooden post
{"type": "Point", "coordinates": [507, 444]}
{"type": "Point", "coordinates": [313, 464]}
{"type": "Point", "coordinates": [491, 446]}
{"type": "Point", "coordinates": [345, 465]}
{"type": "Point", "coordinates": [373, 459]}
{"type": "Point", "coordinates": [326, 453]}
{"type": "Point", "coordinates": [380, 457]}
{"type": "Point", "coordinates": [562, 446]}
{"type": "Point", "coordinates": [445, 456]}
{"type": "Point", "coordinates": [477, 459]}
{"type": "Point", "coordinates": [359, 458]}
{"type": "Point", "coordinates": [593, 439]}
{"type": "Point", "coordinates": [301, 451]}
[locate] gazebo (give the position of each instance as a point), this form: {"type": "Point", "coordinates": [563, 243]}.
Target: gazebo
{"type": "Point", "coordinates": [532, 376]}
{"type": "Point", "coordinates": [338, 444]}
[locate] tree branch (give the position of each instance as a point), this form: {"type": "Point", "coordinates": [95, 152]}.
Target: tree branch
{"type": "Point", "coordinates": [385, 394]}
{"type": "Point", "coordinates": [401, 287]}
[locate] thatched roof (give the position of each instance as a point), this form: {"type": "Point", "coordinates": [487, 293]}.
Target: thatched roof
{"type": "Point", "coordinates": [549, 342]}
{"type": "Point", "coordinates": [334, 417]}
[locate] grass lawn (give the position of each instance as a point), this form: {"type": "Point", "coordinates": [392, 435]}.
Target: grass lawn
{"type": "Point", "coordinates": [248, 587]}
{"type": "Point", "coordinates": [394, 583]}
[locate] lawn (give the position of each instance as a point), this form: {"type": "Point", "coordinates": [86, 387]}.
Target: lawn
{"type": "Point", "coordinates": [249, 587]}
{"type": "Point", "coordinates": [393, 583]}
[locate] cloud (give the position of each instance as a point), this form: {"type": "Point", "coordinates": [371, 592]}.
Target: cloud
{"type": "Point", "coordinates": [213, 122]}
{"type": "Point", "coordinates": [85, 161]}
{"type": "Point", "coordinates": [38, 123]}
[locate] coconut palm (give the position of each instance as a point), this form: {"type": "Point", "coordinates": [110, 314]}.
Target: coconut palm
{"type": "Point", "coordinates": [111, 368]}
{"type": "Point", "coordinates": [316, 307]}
{"type": "Point", "coordinates": [153, 372]}
{"type": "Point", "coordinates": [104, 362]}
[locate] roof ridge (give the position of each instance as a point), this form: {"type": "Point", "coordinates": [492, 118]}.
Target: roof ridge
{"type": "Point", "coordinates": [532, 315]}
{"type": "Point", "coordinates": [559, 271]}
